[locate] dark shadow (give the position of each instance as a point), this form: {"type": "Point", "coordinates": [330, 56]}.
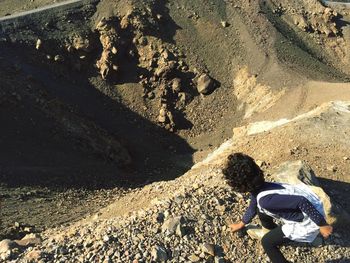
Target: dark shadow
{"type": "Point", "coordinates": [43, 165]}
{"type": "Point", "coordinates": [167, 27]}
{"type": "Point", "coordinates": [34, 151]}
{"type": "Point", "coordinates": [338, 191]}
{"type": "Point", "coordinates": [341, 23]}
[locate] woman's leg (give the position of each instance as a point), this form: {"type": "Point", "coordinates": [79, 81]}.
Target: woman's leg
{"type": "Point", "coordinates": [266, 221]}
{"type": "Point", "coordinates": [270, 243]}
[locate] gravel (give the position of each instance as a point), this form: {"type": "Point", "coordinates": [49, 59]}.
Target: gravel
{"type": "Point", "coordinates": [188, 227]}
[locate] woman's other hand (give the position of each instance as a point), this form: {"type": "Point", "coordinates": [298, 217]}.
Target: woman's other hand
{"type": "Point", "coordinates": [236, 226]}
{"type": "Point", "coordinates": [326, 231]}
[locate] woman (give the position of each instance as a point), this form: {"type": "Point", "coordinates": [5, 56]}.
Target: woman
{"type": "Point", "coordinates": [300, 210]}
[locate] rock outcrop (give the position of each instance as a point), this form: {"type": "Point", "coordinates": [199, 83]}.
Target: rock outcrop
{"type": "Point", "coordinates": [108, 31]}
{"type": "Point", "coordinates": [298, 172]}
{"type": "Point", "coordinates": [322, 23]}
{"type": "Point", "coordinates": [205, 84]}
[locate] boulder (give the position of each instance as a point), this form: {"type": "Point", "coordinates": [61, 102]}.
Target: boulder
{"type": "Point", "coordinates": [33, 256]}
{"type": "Point", "coordinates": [224, 24]}
{"type": "Point", "coordinates": [208, 248]}
{"type": "Point", "coordinates": [194, 258]}
{"type": "Point", "coordinates": [27, 242]}
{"type": "Point", "coordinates": [58, 58]}
{"type": "Point", "coordinates": [205, 84]}
{"type": "Point", "coordinates": [80, 43]}
{"type": "Point", "coordinates": [219, 260]}
{"type": "Point", "coordinates": [164, 68]}
{"type": "Point", "coordinates": [7, 245]}
{"type": "Point", "coordinates": [159, 254]}
{"type": "Point", "coordinates": [176, 85]}
{"type": "Point", "coordinates": [170, 225]}
{"type": "Point", "coordinates": [184, 97]}
{"type": "Point", "coordinates": [162, 115]}
{"type": "Point", "coordinates": [180, 231]}
{"type": "Point", "coordinates": [296, 172]}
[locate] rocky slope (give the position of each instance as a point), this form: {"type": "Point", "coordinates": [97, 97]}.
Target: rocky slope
{"type": "Point", "coordinates": [114, 96]}
{"type": "Point", "coordinates": [186, 220]}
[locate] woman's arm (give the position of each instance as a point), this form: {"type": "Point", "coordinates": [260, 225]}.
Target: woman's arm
{"type": "Point", "coordinates": [247, 217]}
{"type": "Point", "coordinates": [236, 226]}
{"type": "Point", "coordinates": [251, 210]}
{"type": "Point", "coordinates": [291, 207]}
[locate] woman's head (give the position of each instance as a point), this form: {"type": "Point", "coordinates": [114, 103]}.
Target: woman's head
{"type": "Point", "coordinates": [242, 173]}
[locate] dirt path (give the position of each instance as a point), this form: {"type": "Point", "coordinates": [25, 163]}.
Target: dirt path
{"type": "Point", "coordinates": [10, 9]}
{"type": "Point", "coordinates": [304, 98]}
{"type": "Point", "coordinates": [336, 4]}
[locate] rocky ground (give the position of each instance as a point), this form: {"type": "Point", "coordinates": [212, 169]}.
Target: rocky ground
{"type": "Point", "coordinates": [98, 103]}
{"type": "Point", "coordinates": [185, 220]}
{"type": "Point", "coordinates": [191, 227]}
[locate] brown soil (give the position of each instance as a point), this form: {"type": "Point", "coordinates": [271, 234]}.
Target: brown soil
{"type": "Point", "coordinates": [102, 74]}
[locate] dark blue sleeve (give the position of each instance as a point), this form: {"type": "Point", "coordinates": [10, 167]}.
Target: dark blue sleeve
{"type": "Point", "coordinates": [251, 210]}
{"type": "Point", "coordinates": [288, 207]}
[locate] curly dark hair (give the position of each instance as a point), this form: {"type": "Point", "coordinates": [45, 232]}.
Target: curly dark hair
{"type": "Point", "coordinates": [242, 173]}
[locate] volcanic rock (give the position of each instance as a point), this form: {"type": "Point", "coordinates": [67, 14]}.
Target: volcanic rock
{"type": "Point", "coordinates": [159, 254]}
{"type": "Point", "coordinates": [6, 245]}
{"type": "Point", "coordinates": [205, 84]}
{"type": "Point", "coordinates": [170, 225]}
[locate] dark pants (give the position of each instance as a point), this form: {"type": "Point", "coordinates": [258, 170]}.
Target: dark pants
{"type": "Point", "coordinates": [273, 239]}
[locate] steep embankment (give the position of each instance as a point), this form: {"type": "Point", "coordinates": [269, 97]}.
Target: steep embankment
{"type": "Point", "coordinates": [185, 220]}
{"type": "Point", "coordinates": [160, 81]}
{"type": "Point", "coordinates": [182, 71]}
{"type": "Point", "coordinates": [255, 65]}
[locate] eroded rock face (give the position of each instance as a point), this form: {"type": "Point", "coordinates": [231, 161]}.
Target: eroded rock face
{"type": "Point", "coordinates": [255, 97]}
{"type": "Point", "coordinates": [324, 22]}
{"type": "Point", "coordinates": [109, 41]}
{"type": "Point", "coordinates": [126, 44]}
{"type": "Point", "coordinates": [296, 172]}
{"type": "Point", "coordinates": [161, 64]}
{"type": "Point", "coordinates": [313, 17]}
{"type": "Point", "coordinates": [81, 43]}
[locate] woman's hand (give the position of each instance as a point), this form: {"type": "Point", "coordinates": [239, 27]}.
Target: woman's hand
{"type": "Point", "coordinates": [326, 231]}
{"type": "Point", "coordinates": [236, 226]}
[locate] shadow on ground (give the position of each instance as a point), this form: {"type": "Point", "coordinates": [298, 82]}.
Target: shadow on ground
{"type": "Point", "coordinates": [34, 151]}
{"type": "Point", "coordinates": [338, 191]}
